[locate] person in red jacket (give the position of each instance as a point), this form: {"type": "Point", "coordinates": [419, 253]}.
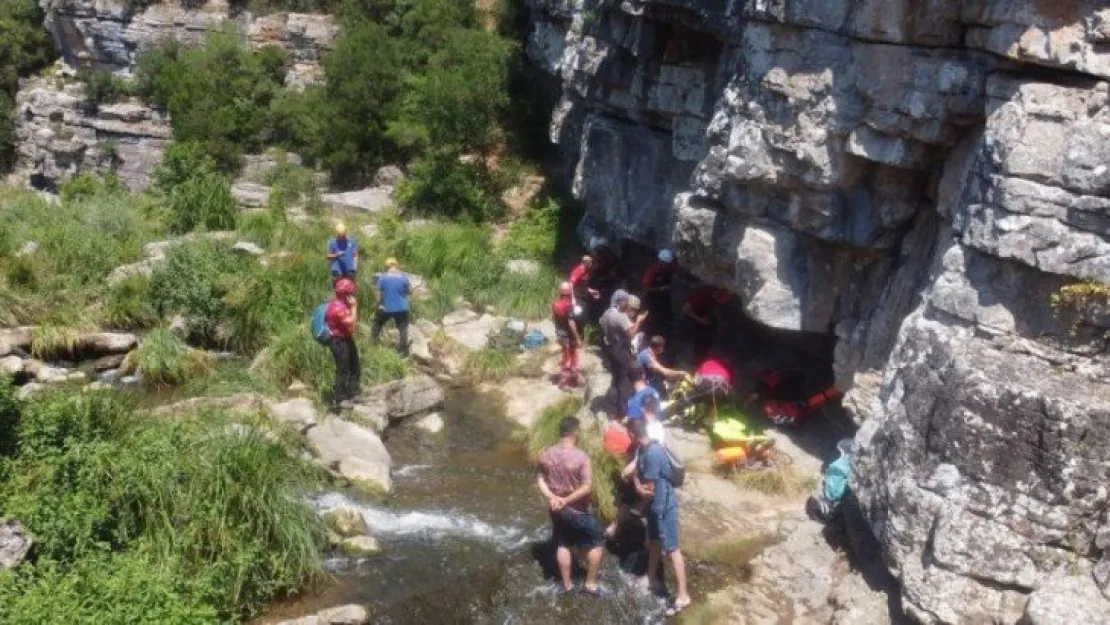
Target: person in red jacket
{"type": "Point", "coordinates": [701, 311]}
{"type": "Point", "coordinates": [566, 330]}
{"type": "Point", "coordinates": [583, 294]}
{"type": "Point", "coordinates": [342, 319]}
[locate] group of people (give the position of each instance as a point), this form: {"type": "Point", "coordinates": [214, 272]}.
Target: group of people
{"type": "Point", "coordinates": [634, 334]}
{"type": "Point", "coordinates": [392, 289]}
{"type": "Point", "coordinates": [564, 478]}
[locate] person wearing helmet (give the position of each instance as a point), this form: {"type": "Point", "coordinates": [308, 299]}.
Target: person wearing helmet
{"type": "Point", "coordinates": [342, 253]}
{"type": "Point", "coordinates": [394, 289]}
{"type": "Point", "coordinates": [657, 292]}
{"type": "Point", "coordinates": [583, 294]}
{"type": "Point", "coordinates": [342, 320]}
{"type": "Point", "coordinates": [566, 330]}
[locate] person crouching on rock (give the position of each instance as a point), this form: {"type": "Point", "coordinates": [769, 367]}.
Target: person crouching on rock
{"type": "Point", "coordinates": [342, 320]}
{"type": "Point", "coordinates": [565, 480]}
{"type": "Point", "coordinates": [566, 330]}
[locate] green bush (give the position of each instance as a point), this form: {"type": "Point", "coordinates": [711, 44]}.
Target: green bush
{"type": "Point", "coordinates": [25, 46]}
{"type": "Point", "coordinates": [443, 184]}
{"type": "Point", "coordinates": [182, 161]}
{"type": "Point", "coordinates": [103, 87]}
{"type": "Point", "coordinates": [89, 185]}
{"type": "Point", "coordinates": [489, 365]}
{"type": "Point", "coordinates": [295, 355]}
{"type": "Point", "coordinates": [217, 94]}
{"type": "Point", "coordinates": [535, 234]}
{"type": "Point", "coordinates": [203, 201]}
{"type": "Point", "coordinates": [140, 520]}
{"type": "Point", "coordinates": [194, 280]}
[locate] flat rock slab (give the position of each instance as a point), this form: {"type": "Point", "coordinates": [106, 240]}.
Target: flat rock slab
{"type": "Point", "coordinates": [371, 199]}
{"type": "Point", "coordinates": [239, 403]}
{"type": "Point", "coordinates": [473, 334]}
{"type": "Point", "coordinates": [526, 399]}
{"type": "Point", "coordinates": [12, 365]}
{"type": "Point", "coordinates": [342, 615]}
{"type": "Point", "coordinates": [301, 413]}
{"type": "Point", "coordinates": [12, 339]}
{"type": "Point", "coordinates": [250, 194]}
{"type": "Point", "coordinates": [108, 342]}
{"type": "Point", "coordinates": [353, 451]}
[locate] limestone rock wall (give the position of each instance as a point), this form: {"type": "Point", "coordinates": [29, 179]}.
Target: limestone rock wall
{"type": "Point", "coordinates": [918, 178]}
{"type": "Point", "coordinates": [60, 136]}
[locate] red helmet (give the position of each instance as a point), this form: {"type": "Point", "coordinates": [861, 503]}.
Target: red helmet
{"type": "Point", "coordinates": [345, 287]}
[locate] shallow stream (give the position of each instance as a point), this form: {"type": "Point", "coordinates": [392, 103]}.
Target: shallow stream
{"type": "Point", "coordinates": [464, 537]}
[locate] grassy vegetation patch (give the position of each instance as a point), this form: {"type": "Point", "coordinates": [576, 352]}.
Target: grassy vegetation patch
{"type": "Point", "coordinates": [138, 519]}
{"type": "Point", "coordinates": [165, 360]}
{"type": "Point", "coordinates": [489, 365]}
{"type": "Point", "coordinates": [778, 481]}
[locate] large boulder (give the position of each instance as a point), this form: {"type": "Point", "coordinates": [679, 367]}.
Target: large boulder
{"type": "Point", "coordinates": [1066, 598]}
{"type": "Point", "coordinates": [473, 333]}
{"type": "Point", "coordinates": [108, 342]}
{"type": "Point", "coordinates": [12, 365]}
{"type": "Point", "coordinates": [12, 339]}
{"type": "Point", "coordinates": [371, 200]}
{"type": "Point", "coordinates": [392, 401]}
{"type": "Point", "coordinates": [14, 544]}
{"type": "Point", "coordinates": [353, 451]}
{"type": "Point", "coordinates": [346, 522]}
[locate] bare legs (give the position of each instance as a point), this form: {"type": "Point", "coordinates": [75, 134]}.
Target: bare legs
{"type": "Point", "coordinates": [655, 560]}
{"type": "Point", "coordinates": [593, 565]}
{"type": "Point", "coordinates": [565, 560]}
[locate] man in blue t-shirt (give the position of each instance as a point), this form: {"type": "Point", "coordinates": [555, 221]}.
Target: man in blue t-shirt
{"type": "Point", "coordinates": [393, 289]}
{"type": "Point", "coordinates": [342, 253]}
{"type": "Point", "coordinates": [653, 370]}
{"type": "Point", "coordinates": [653, 481]}
{"type": "Point", "coordinates": [643, 403]}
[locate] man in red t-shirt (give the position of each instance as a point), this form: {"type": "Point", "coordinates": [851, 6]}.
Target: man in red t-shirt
{"type": "Point", "coordinates": [701, 310]}
{"type": "Point", "coordinates": [566, 330]}
{"type": "Point", "coordinates": [342, 319]}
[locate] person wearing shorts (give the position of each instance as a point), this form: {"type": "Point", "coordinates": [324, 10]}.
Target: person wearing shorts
{"type": "Point", "coordinates": [564, 478]}
{"type": "Point", "coordinates": [653, 481]}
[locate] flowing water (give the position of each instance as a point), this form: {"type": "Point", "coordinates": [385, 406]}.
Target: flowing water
{"type": "Point", "coordinates": [464, 537]}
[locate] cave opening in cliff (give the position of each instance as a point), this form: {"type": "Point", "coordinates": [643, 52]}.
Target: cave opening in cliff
{"type": "Point", "coordinates": [752, 347]}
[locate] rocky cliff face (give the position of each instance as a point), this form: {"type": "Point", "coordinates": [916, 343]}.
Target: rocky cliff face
{"type": "Point", "coordinates": [60, 136]}
{"type": "Point", "coordinates": [918, 178]}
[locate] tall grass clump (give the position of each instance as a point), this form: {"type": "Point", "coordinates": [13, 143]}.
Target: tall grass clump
{"type": "Point", "coordinates": [141, 520]}
{"type": "Point", "coordinates": [194, 280]}
{"type": "Point", "coordinates": [50, 341]}
{"type": "Point", "coordinates": [165, 360]}
{"type": "Point", "coordinates": [128, 305]}
{"type": "Point", "coordinates": [489, 365]}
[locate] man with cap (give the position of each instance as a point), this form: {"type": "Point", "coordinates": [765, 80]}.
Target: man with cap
{"type": "Point", "coordinates": [566, 330]}
{"type": "Point", "coordinates": [342, 253]}
{"type": "Point", "coordinates": [619, 326]}
{"type": "Point", "coordinates": [393, 289]}
{"type": "Point", "coordinates": [657, 291]}
{"type": "Point", "coordinates": [341, 317]}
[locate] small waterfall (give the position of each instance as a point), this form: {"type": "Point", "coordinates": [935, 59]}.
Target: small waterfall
{"type": "Point", "coordinates": [435, 524]}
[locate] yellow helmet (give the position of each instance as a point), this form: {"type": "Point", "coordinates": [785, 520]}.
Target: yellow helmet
{"type": "Point", "coordinates": [341, 229]}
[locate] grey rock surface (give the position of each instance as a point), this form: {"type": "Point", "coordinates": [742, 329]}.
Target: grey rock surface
{"type": "Point", "coordinates": [15, 543]}
{"type": "Point", "coordinates": [371, 199]}
{"type": "Point", "coordinates": [300, 412]}
{"type": "Point", "coordinates": [918, 180]}
{"type": "Point", "coordinates": [393, 401]}
{"type": "Point", "coordinates": [353, 451]}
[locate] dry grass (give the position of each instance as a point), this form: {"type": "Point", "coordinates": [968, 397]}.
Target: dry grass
{"type": "Point", "coordinates": [777, 481]}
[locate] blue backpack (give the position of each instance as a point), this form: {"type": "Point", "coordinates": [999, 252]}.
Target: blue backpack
{"type": "Point", "coordinates": [319, 324]}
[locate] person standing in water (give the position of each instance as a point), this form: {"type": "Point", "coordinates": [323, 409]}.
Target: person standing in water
{"type": "Point", "coordinates": [342, 320]}
{"type": "Point", "coordinates": [394, 288]}
{"type": "Point", "coordinates": [565, 480]}
{"type": "Point", "coordinates": [566, 330]}
{"type": "Point", "coordinates": [342, 254]}
{"type": "Point", "coordinates": [653, 482]}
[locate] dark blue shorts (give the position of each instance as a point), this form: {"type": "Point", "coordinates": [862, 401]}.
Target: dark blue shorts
{"type": "Point", "coordinates": [574, 528]}
{"type": "Point", "coordinates": [663, 526]}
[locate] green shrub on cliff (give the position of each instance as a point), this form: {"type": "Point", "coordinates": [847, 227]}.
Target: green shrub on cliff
{"type": "Point", "coordinates": [25, 46]}
{"type": "Point", "coordinates": [145, 520]}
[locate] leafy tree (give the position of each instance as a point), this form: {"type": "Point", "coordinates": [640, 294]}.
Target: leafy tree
{"type": "Point", "coordinates": [443, 183]}
{"type": "Point", "coordinates": [459, 98]}
{"type": "Point", "coordinates": [182, 160]}
{"type": "Point", "coordinates": [25, 46]}
{"type": "Point", "coordinates": [218, 94]}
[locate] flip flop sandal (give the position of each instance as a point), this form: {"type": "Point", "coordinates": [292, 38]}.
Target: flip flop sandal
{"type": "Point", "coordinates": [674, 609]}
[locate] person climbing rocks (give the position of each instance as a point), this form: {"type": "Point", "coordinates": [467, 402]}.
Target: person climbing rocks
{"type": "Point", "coordinates": [654, 481]}
{"type": "Point", "coordinates": [342, 253]}
{"type": "Point", "coordinates": [565, 480]}
{"type": "Point", "coordinates": [342, 320]}
{"type": "Point", "coordinates": [652, 369]}
{"type": "Point", "coordinates": [585, 296]}
{"type": "Point", "coordinates": [566, 331]}
{"type": "Point", "coordinates": [701, 312]}
{"type": "Point", "coordinates": [393, 290]}
{"type": "Point", "coordinates": [619, 325]}
{"type": "Point", "coordinates": [657, 292]}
